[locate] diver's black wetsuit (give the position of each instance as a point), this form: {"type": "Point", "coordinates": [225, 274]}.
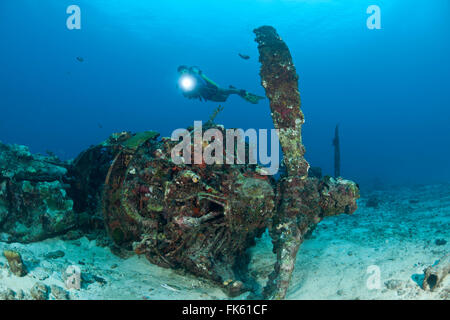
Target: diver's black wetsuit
{"type": "Point", "coordinates": [208, 90]}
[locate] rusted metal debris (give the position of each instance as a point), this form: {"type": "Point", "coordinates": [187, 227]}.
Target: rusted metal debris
{"type": "Point", "coordinates": [33, 196]}
{"type": "Point", "coordinates": [302, 201]}
{"type": "Point", "coordinates": [435, 274]}
{"type": "Point", "coordinates": [200, 218]}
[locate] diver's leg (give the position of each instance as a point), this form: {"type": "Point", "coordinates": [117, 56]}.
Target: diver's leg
{"type": "Point", "coordinates": [249, 97]}
{"type": "Point", "coordinates": [223, 95]}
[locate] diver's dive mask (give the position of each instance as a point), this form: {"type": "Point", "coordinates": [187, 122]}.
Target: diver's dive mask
{"type": "Point", "coordinates": [187, 82]}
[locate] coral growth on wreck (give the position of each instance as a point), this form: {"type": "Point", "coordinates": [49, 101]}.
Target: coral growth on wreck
{"type": "Point", "coordinates": [303, 200]}
{"type": "Point", "coordinates": [199, 218]}
{"type": "Point", "coordinates": [34, 204]}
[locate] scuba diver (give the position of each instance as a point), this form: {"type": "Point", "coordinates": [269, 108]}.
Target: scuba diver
{"type": "Point", "coordinates": [194, 84]}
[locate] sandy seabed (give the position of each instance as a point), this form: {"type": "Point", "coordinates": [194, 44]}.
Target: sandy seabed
{"type": "Point", "coordinates": [407, 232]}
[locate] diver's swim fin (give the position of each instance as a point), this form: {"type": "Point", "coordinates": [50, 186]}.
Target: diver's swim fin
{"type": "Point", "coordinates": [250, 97]}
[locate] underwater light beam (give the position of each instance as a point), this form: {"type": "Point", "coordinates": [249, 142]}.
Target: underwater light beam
{"type": "Point", "coordinates": [187, 83]}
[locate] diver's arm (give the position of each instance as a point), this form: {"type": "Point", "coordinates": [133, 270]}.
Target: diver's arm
{"type": "Point", "coordinates": [204, 77]}
{"type": "Point", "coordinates": [208, 80]}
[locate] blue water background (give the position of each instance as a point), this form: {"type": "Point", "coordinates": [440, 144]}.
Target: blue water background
{"type": "Point", "coordinates": [388, 89]}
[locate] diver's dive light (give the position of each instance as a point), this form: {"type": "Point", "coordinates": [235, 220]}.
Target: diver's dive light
{"type": "Point", "coordinates": [187, 82]}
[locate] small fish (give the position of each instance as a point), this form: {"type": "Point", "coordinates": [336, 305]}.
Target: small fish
{"type": "Point", "coordinates": [244, 56]}
{"type": "Point", "coordinates": [80, 59]}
